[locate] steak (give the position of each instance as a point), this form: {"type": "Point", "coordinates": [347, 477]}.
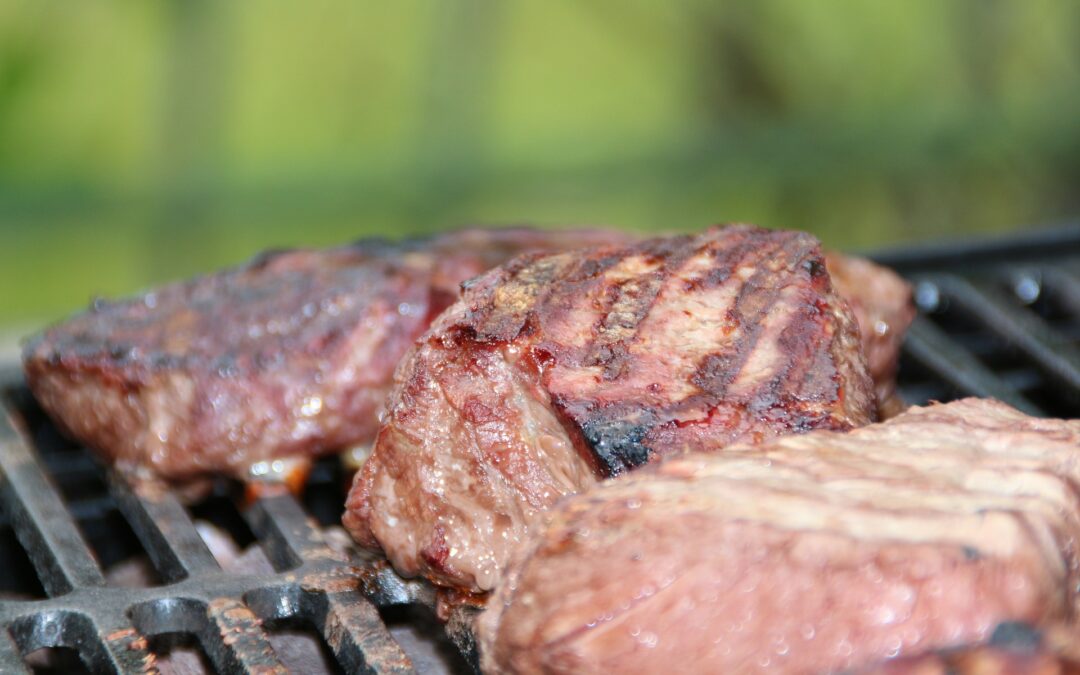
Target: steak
{"type": "Point", "coordinates": [289, 355]}
{"type": "Point", "coordinates": [883, 308]}
{"type": "Point", "coordinates": [555, 371]}
{"type": "Point", "coordinates": [806, 554]}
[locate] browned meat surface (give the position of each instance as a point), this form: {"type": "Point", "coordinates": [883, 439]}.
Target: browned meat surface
{"type": "Point", "coordinates": [288, 355]}
{"type": "Point", "coordinates": [814, 553]}
{"type": "Point", "coordinates": [554, 371]}
{"type": "Point", "coordinates": [1014, 649]}
{"type": "Point", "coordinates": [883, 308]}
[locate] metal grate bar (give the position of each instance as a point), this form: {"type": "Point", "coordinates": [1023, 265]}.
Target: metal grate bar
{"type": "Point", "coordinates": [357, 635]}
{"type": "Point", "coordinates": [113, 646]}
{"type": "Point", "coordinates": [1046, 347]}
{"type": "Point", "coordinates": [163, 527]}
{"type": "Point", "coordinates": [235, 641]}
{"type": "Point", "coordinates": [385, 588]}
{"type": "Point", "coordinates": [42, 523]}
{"type": "Point", "coordinates": [286, 533]}
{"type": "Point", "coordinates": [11, 660]}
{"type": "Point", "coordinates": [936, 351]}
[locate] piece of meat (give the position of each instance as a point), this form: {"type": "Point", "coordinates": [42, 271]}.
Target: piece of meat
{"type": "Point", "coordinates": [883, 308]}
{"type": "Point", "coordinates": [554, 371]}
{"type": "Point", "coordinates": [289, 355]}
{"type": "Point", "coordinates": [816, 553]}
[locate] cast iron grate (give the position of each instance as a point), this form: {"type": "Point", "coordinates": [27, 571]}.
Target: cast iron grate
{"type": "Point", "coordinates": [999, 319]}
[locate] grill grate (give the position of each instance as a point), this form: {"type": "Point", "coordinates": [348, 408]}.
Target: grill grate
{"type": "Point", "coordinates": [335, 593]}
{"type": "Point", "coordinates": [1000, 320]}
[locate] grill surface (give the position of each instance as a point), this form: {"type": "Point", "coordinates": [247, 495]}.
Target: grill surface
{"type": "Point", "coordinates": [55, 499]}
{"type": "Point", "coordinates": [1000, 319]}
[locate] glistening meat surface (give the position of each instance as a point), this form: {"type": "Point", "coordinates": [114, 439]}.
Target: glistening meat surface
{"type": "Point", "coordinates": [554, 371]}
{"type": "Point", "coordinates": [817, 553]}
{"type": "Point", "coordinates": [290, 355]}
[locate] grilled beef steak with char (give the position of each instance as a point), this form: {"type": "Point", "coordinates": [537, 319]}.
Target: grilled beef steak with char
{"type": "Point", "coordinates": [289, 355]}
{"type": "Point", "coordinates": [814, 553]}
{"type": "Point", "coordinates": [555, 371]}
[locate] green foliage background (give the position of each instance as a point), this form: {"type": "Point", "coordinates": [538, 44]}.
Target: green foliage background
{"type": "Point", "coordinates": [146, 140]}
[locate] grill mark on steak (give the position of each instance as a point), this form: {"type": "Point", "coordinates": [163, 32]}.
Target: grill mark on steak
{"type": "Point", "coordinates": [630, 302]}
{"type": "Point", "coordinates": [717, 371]}
{"type": "Point", "coordinates": [620, 438]}
{"type": "Point", "coordinates": [756, 298]}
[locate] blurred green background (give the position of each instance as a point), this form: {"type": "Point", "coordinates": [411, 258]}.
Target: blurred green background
{"type": "Point", "coordinates": [145, 140]}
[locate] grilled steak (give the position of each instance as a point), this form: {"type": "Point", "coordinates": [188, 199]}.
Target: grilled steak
{"type": "Point", "coordinates": [806, 554]}
{"type": "Point", "coordinates": [883, 308]}
{"type": "Point", "coordinates": [555, 371]}
{"type": "Point", "coordinates": [288, 355]}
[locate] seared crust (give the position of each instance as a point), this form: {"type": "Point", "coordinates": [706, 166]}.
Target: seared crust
{"type": "Point", "coordinates": [821, 552]}
{"type": "Point", "coordinates": [554, 371]}
{"type": "Point", "coordinates": [288, 355]}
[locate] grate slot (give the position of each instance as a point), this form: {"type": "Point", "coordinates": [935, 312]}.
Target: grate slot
{"type": "Point", "coordinates": [1047, 348]}
{"type": "Point", "coordinates": [42, 523]}
{"type": "Point", "coordinates": [11, 660]}
{"type": "Point", "coordinates": [163, 527]}
{"type": "Point", "coordinates": [948, 360]}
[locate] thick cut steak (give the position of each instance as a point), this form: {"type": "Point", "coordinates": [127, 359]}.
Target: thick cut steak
{"type": "Point", "coordinates": [817, 553]}
{"type": "Point", "coordinates": [288, 355]}
{"type": "Point", "coordinates": [555, 371]}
